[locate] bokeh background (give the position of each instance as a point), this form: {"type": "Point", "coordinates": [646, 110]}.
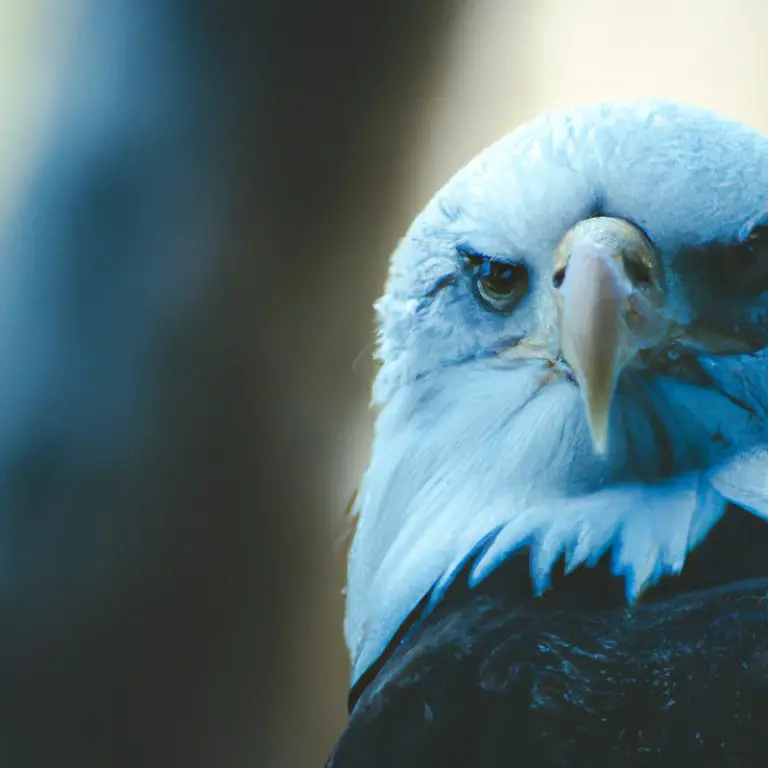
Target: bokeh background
{"type": "Point", "coordinates": [197, 204]}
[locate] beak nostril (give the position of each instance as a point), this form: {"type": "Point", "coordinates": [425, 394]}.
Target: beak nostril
{"type": "Point", "coordinates": [558, 277]}
{"type": "Point", "coordinates": [637, 271]}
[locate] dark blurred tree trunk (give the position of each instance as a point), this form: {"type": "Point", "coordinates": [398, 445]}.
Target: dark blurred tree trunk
{"type": "Point", "coordinates": [162, 333]}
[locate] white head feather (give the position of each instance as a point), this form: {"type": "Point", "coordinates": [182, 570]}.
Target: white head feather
{"type": "Point", "coordinates": [468, 442]}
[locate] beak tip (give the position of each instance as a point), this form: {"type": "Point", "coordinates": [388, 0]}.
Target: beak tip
{"type": "Point", "coordinates": [598, 413]}
{"type": "Point", "coordinates": [601, 445]}
{"type": "Point", "coordinates": [599, 434]}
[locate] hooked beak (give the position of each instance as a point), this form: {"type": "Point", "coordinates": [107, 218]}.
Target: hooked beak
{"type": "Point", "coordinates": [606, 304]}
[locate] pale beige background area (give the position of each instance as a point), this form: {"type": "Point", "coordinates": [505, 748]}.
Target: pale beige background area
{"type": "Point", "coordinates": [35, 36]}
{"type": "Point", "coordinates": [503, 62]}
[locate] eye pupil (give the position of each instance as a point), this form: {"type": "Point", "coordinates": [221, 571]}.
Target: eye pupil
{"type": "Point", "coordinates": [501, 278]}
{"type": "Point", "coordinates": [500, 285]}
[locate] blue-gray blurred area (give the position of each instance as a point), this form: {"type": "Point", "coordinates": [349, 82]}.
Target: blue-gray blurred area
{"type": "Point", "coordinates": [173, 380]}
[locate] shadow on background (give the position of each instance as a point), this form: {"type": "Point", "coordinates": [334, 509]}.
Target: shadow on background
{"type": "Point", "coordinates": [173, 379]}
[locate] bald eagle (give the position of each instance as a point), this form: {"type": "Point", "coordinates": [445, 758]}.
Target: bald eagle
{"type": "Point", "coordinates": [560, 555]}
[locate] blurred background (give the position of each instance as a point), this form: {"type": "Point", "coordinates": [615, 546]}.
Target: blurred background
{"type": "Point", "coordinates": [198, 200]}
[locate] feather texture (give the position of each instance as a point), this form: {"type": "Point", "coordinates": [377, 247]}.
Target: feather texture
{"type": "Point", "coordinates": [476, 439]}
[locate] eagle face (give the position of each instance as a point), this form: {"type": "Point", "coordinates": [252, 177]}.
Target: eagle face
{"type": "Point", "coordinates": [573, 346]}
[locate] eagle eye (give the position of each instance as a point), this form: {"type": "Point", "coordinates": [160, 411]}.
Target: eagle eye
{"type": "Point", "coordinates": [498, 285]}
